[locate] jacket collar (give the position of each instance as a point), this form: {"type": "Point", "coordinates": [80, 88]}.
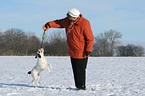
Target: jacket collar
{"type": "Point", "coordinates": [80, 19]}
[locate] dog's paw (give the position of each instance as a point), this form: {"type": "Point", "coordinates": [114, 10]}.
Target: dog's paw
{"type": "Point", "coordinates": [28, 75]}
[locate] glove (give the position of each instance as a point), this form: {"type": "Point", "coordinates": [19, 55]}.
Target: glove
{"type": "Point", "coordinates": [88, 53]}
{"type": "Point", "coordinates": [46, 26]}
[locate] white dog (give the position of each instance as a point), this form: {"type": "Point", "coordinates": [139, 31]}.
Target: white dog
{"type": "Point", "coordinates": [40, 66]}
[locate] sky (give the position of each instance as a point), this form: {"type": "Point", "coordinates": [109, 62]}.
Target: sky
{"type": "Point", "coordinates": [124, 16]}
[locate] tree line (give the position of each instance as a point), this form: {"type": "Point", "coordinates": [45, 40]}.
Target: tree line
{"type": "Point", "coordinates": [17, 42]}
{"type": "Point", "coordinates": [108, 44]}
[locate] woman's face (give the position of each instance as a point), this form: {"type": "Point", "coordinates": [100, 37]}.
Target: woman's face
{"type": "Point", "coordinates": [71, 18]}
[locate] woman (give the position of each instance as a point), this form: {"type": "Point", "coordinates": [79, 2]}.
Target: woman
{"type": "Point", "coordinates": [79, 40]}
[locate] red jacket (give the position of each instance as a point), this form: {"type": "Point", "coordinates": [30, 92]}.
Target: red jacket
{"type": "Point", "coordinates": [80, 39]}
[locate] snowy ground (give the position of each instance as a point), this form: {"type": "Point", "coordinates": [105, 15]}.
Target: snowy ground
{"type": "Point", "coordinates": [106, 76]}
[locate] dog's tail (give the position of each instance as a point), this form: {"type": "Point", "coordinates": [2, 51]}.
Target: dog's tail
{"type": "Point", "coordinates": [28, 73]}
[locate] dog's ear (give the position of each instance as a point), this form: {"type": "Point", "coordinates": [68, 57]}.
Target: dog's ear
{"type": "Point", "coordinates": [39, 55]}
{"type": "Point", "coordinates": [36, 56]}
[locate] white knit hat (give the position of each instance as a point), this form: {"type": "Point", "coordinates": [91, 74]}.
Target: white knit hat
{"type": "Point", "coordinates": [73, 12]}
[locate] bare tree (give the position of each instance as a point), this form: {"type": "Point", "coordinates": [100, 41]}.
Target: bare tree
{"type": "Point", "coordinates": [130, 50]}
{"type": "Point", "coordinates": [100, 47]}
{"type": "Point", "coordinates": [106, 42]}
{"type": "Point", "coordinates": [14, 39]}
{"type": "Point", "coordinates": [121, 51]}
{"type": "Point", "coordinates": [56, 44]}
{"type": "Point", "coordinates": [139, 50]}
{"type": "Point", "coordinates": [1, 43]}
{"type": "Point", "coordinates": [113, 39]}
{"type": "Point", "coordinates": [33, 44]}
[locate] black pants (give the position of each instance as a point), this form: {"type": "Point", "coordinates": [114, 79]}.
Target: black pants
{"type": "Point", "coordinates": [79, 71]}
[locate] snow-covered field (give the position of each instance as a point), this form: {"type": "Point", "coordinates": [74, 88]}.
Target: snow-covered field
{"type": "Point", "coordinates": [106, 76]}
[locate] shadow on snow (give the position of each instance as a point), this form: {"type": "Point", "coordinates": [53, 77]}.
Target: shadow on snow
{"type": "Point", "coordinates": [24, 85]}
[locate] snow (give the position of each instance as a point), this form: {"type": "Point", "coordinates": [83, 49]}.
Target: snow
{"type": "Point", "coordinates": [106, 76]}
